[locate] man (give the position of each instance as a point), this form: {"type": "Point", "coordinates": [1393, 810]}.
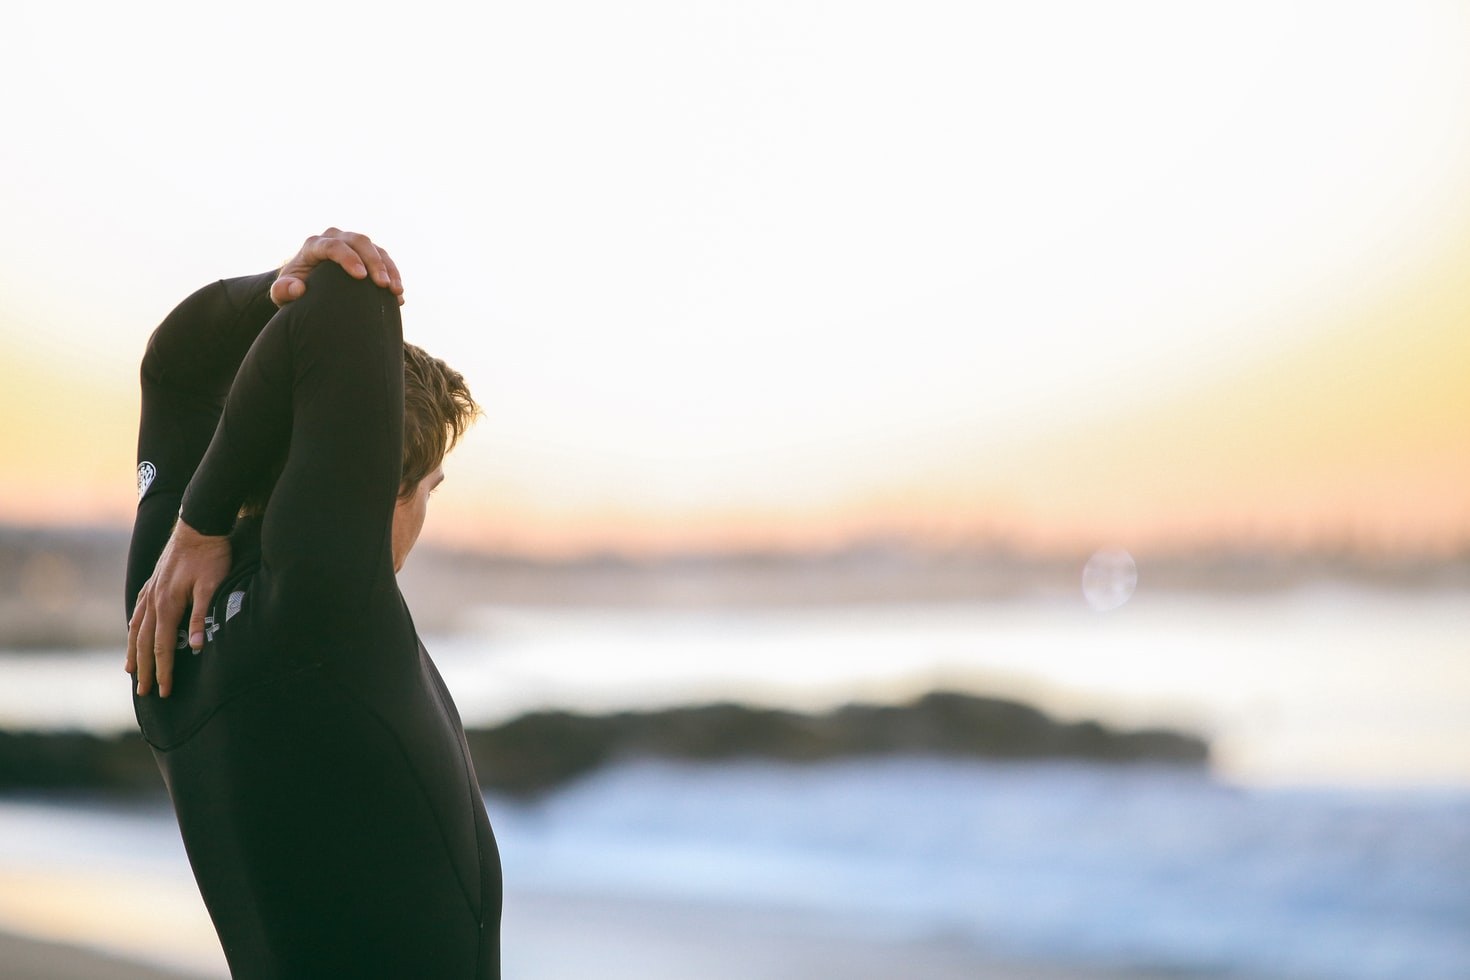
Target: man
{"type": "Point", "coordinates": [316, 763]}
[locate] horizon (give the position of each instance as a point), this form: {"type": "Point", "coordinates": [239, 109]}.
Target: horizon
{"type": "Point", "coordinates": [1342, 552]}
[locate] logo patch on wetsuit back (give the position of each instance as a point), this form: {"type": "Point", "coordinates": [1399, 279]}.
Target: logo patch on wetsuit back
{"type": "Point", "coordinates": [146, 472]}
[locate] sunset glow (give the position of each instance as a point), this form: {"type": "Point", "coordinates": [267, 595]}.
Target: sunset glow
{"type": "Point", "coordinates": [1061, 277]}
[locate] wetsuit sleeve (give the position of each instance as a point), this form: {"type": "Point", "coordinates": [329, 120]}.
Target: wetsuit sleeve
{"type": "Point", "coordinates": [186, 373]}
{"type": "Point", "coordinates": [322, 384]}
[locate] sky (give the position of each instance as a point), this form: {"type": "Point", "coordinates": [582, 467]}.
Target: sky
{"type": "Point", "coordinates": [791, 274]}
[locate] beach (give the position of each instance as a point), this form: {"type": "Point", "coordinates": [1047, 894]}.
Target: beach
{"type": "Point", "coordinates": [552, 937]}
{"type": "Point", "coordinates": [69, 912]}
{"type": "Point", "coordinates": [28, 958]}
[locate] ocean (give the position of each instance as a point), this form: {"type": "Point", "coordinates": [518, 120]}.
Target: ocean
{"type": "Point", "coordinates": [1128, 868]}
{"type": "Point", "coordinates": [1138, 870]}
{"type": "Point", "coordinates": [1330, 838]}
{"type": "Point", "coordinates": [1326, 685]}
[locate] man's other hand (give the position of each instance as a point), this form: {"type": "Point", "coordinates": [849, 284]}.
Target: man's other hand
{"type": "Point", "coordinates": [355, 253]}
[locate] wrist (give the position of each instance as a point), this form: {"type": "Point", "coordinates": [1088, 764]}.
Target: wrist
{"type": "Point", "coordinates": [185, 531]}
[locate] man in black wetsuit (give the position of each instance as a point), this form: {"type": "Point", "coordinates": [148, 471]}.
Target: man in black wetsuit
{"type": "Point", "coordinates": [316, 763]}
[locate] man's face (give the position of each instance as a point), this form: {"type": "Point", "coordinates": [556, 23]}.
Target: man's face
{"type": "Point", "coordinates": [409, 513]}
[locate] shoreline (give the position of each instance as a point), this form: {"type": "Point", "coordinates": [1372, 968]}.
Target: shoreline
{"type": "Point", "coordinates": [639, 939]}
{"type": "Point", "coordinates": [32, 958]}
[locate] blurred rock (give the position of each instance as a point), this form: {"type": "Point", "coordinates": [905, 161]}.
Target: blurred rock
{"type": "Point", "coordinates": [77, 761]}
{"type": "Point", "coordinates": [539, 751]}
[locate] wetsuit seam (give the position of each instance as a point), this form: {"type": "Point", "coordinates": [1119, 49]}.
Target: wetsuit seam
{"type": "Point", "coordinates": [441, 696]}
{"type": "Point", "coordinates": [469, 775]}
{"type": "Point", "coordinates": [474, 785]}
{"type": "Point", "coordinates": [423, 792]}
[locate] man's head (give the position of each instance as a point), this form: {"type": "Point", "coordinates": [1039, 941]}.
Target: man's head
{"type": "Point", "coordinates": [437, 409]}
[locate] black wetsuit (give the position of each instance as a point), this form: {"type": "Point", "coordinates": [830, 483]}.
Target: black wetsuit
{"type": "Point", "coordinates": [316, 763]}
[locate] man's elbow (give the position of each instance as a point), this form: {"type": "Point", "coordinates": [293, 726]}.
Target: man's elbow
{"type": "Point", "coordinates": [346, 310]}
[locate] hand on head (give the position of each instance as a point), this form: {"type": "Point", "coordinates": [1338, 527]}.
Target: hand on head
{"type": "Point", "coordinates": [355, 253]}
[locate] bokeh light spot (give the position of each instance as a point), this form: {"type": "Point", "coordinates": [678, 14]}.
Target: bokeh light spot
{"type": "Point", "coordinates": [1109, 578]}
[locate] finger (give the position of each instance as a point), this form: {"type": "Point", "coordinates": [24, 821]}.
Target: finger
{"type": "Point", "coordinates": [287, 289]}
{"type": "Point", "coordinates": [164, 639]}
{"type": "Point", "coordinates": [131, 664]}
{"type": "Point", "coordinates": [202, 594]}
{"type": "Point", "coordinates": [369, 255]}
{"type": "Point", "coordinates": [141, 605]}
{"type": "Point", "coordinates": [168, 613]}
{"type": "Point", "coordinates": [145, 652]}
{"type": "Point", "coordinates": [395, 279]}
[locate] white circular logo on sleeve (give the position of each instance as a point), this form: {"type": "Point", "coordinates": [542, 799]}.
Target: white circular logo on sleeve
{"type": "Point", "coordinates": [146, 472]}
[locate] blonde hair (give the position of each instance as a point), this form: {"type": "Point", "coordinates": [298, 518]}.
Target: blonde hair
{"type": "Point", "coordinates": [437, 409]}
